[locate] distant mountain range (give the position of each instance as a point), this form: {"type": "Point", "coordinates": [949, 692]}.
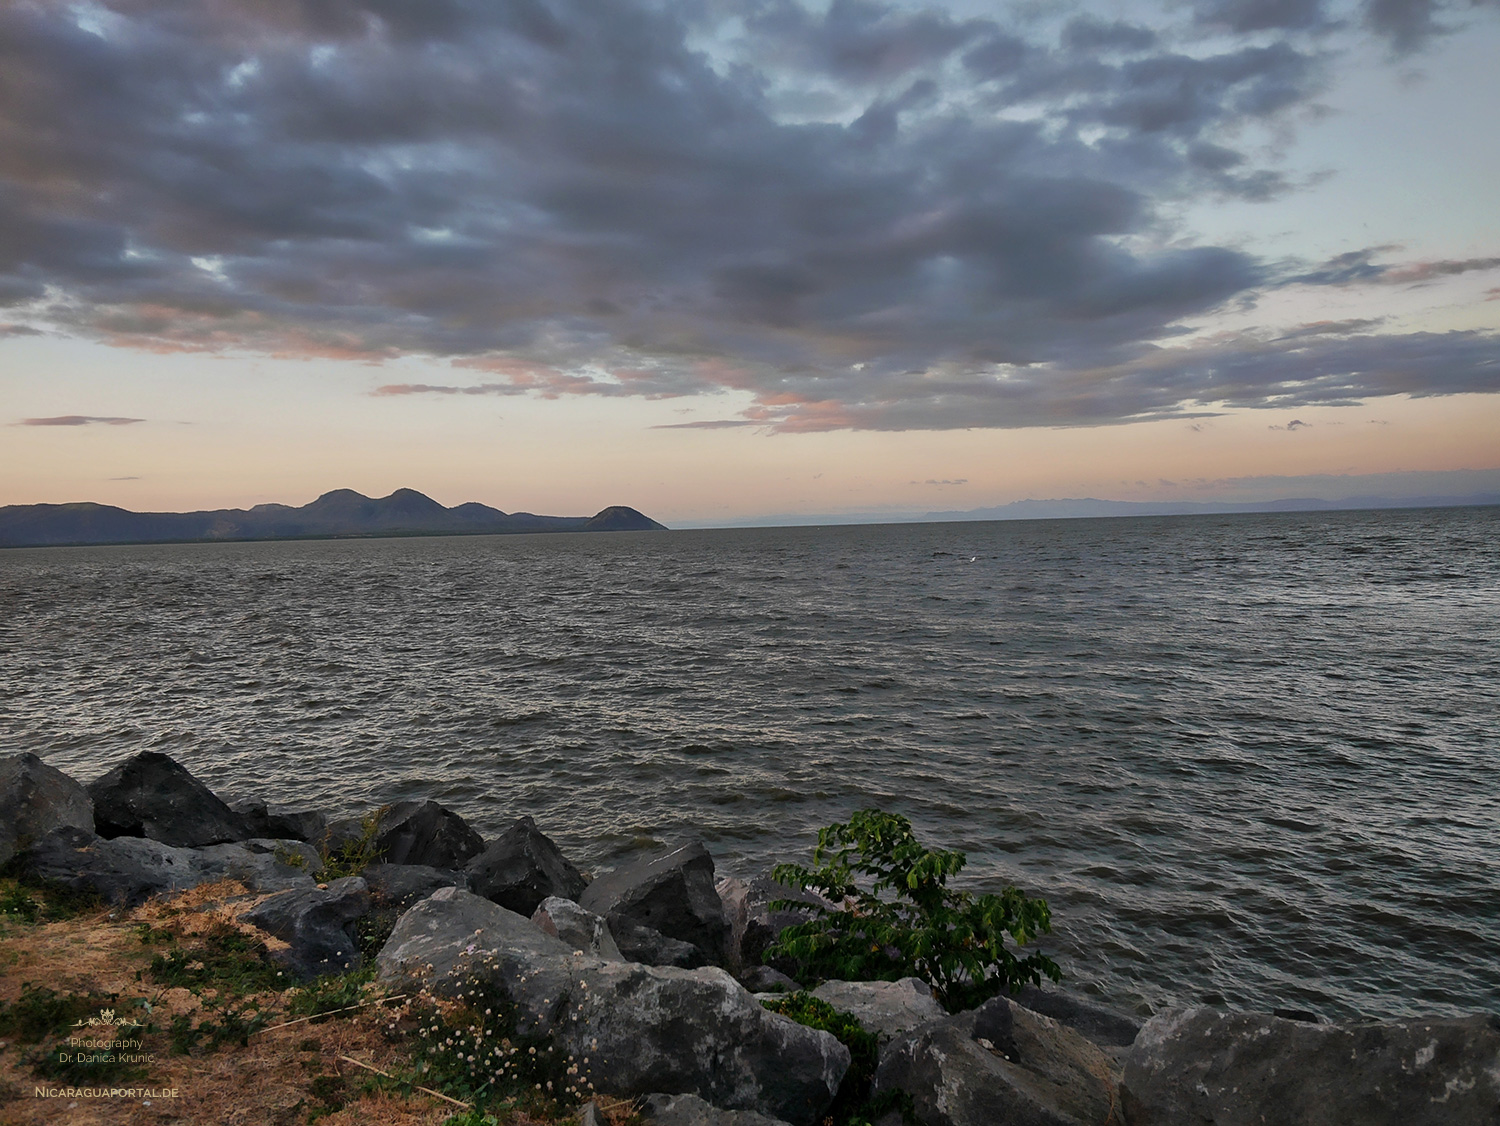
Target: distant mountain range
{"type": "Point", "coordinates": [340, 513]}
{"type": "Point", "coordinates": [1083, 507]}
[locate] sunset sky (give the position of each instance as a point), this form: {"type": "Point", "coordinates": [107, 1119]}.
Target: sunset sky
{"type": "Point", "coordinates": [722, 259]}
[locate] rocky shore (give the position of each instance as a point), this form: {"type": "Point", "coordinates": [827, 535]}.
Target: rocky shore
{"type": "Point", "coordinates": [653, 975]}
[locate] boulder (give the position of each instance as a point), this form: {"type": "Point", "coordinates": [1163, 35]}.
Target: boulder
{"type": "Point", "coordinates": [1057, 1077]}
{"type": "Point", "coordinates": [763, 979]}
{"type": "Point", "coordinates": [578, 929]}
{"type": "Point", "coordinates": [672, 892]}
{"type": "Point", "coordinates": [423, 832]}
{"type": "Point", "coordinates": [1232, 1069]}
{"type": "Point", "coordinates": [650, 1029]}
{"type": "Point", "coordinates": [641, 1029]}
{"type": "Point", "coordinates": [280, 822]}
{"type": "Point", "coordinates": [753, 925]}
{"type": "Point", "coordinates": [652, 948]}
{"type": "Point", "coordinates": [317, 924]}
{"type": "Point", "coordinates": [886, 1008]}
{"type": "Point", "coordinates": [1099, 1023]}
{"type": "Point", "coordinates": [522, 867]}
{"type": "Point", "coordinates": [453, 937]}
{"type": "Point", "coordinates": [35, 799]}
{"type": "Point", "coordinates": [129, 870]}
{"type": "Point", "coordinates": [401, 885]}
{"type": "Point", "coordinates": [690, 1110]}
{"type": "Point", "coordinates": [150, 795]}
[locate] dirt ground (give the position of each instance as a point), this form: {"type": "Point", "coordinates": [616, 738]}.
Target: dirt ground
{"type": "Point", "coordinates": [282, 1078]}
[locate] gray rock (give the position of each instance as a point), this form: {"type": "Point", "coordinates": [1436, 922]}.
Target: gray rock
{"type": "Point", "coordinates": [1058, 1078]}
{"type": "Point", "coordinates": [423, 832]}
{"type": "Point", "coordinates": [886, 1008]}
{"type": "Point", "coordinates": [655, 1028]}
{"type": "Point", "coordinates": [1099, 1023]}
{"type": "Point", "coordinates": [763, 979]}
{"type": "Point", "coordinates": [280, 822]}
{"type": "Point", "coordinates": [641, 1028]}
{"type": "Point", "coordinates": [589, 1115]}
{"type": "Point", "coordinates": [401, 885]}
{"type": "Point", "coordinates": [453, 937]}
{"type": "Point", "coordinates": [1233, 1069]}
{"type": "Point", "coordinates": [129, 870]}
{"type": "Point", "coordinates": [522, 867]}
{"type": "Point", "coordinates": [652, 948]}
{"type": "Point", "coordinates": [690, 1110]}
{"type": "Point", "coordinates": [753, 925]}
{"type": "Point", "coordinates": [317, 924]}
{"type": "Point", "coordinates": [35, 799]}
{"type": "Point", "coordinates": [150, 795]}
{"type": "Point", "coordinates": [576, 928]}
{"type": "Point", "coordinates": [672, 892]}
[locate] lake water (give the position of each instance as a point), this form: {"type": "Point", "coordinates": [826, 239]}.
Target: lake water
{"type": "Point", "coordinates": [1249, 760]}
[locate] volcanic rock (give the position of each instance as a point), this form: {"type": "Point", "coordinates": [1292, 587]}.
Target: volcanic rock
{"type": "Point", "coordinates": [522, 867]}
{"type": "Point", "coordinates": [1234, 1069]}
{"type": "Point", "coordinates": [35, 799]}
{"type": "Point", "coordinates": [672, 892]}
{"type": "Point", "coordinates": [151, 795]}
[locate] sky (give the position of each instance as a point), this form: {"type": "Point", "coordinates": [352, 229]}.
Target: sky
{"type": "Point", "coordinates": [719, 259]}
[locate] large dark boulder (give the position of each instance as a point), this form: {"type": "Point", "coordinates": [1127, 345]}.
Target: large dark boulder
{"type": "Point", "coordinates": [522, 867]}
{"type": "Point", "coordinates": [129, 870]}
{"type": "Point", "coordinates": [753, 924]}
{"type": "Point", "coordinates": [279, 822]}
{"type": "Point", "coordinates": [401, 885]}
{"type": "Point", "coordinates": [151, 795]}
{"type": "Point", "coordinates": [1100, 1023]}
{"type": "Point", "coordinates": [1045, 1075]}
{"type": "Point", "coordinates": [1237, 1069]}
{"type": "Point", "coordinates": [641, 1029]}
{"type": "Point", "coordinates": [35, 799]}
{"type": "Point", "coordinates": [652, 948]}
{"type": "Point", "coordinates": [423, 832]}
{"type": "Point", "coordinates": [317, 924]}
{"type": "Point", "coordinates": [672, 892]}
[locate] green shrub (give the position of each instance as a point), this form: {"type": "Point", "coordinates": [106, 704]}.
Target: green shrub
{"type": "Point", "coordinates": [952, 939]}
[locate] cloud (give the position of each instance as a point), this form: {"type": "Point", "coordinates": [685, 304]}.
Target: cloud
{"type": "Point", "coordinates": [858, 215]}
{"type": "Point", "coordinates": [931, 481]}
{"type": "Point", "coordinates": [1426, 271]}
{"type": "Point", "coordinates": [1295, 424]}
{"type": "Point", "coordinates": [78, 420]}
{"type": "Point", "coordinates": [125, 478]}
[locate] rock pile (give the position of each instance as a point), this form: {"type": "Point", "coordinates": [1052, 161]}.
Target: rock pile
{"type": "Point", "coordinates": [647, 973]}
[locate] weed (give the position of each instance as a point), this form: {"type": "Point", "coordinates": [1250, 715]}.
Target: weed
{"type": "Point", "coordinates": [471, 1118]}
{"type": "Point", "coordinates": [329, 994]}
{"type": "Point", "coordinates": [471, 1051]}
{"type": "Point", "coordinates": [353, 857]}
{"type": "Point", "coordinates": [222, 958]}
{"type": "Point", "coordinates": [288, 856]}
{"type": "Point", "coordinates": [41, 1011]}
{"type": "Point", "coordinates": [16, 903]}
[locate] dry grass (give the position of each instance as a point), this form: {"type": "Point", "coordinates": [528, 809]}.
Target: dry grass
{"type": "Point", "coordinates": [281, 1078]}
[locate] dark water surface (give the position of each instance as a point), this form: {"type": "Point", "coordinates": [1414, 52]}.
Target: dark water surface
{"type": "Point", "coordinates": [1250, 760]}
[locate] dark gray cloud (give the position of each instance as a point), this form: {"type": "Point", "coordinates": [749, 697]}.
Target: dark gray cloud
{"type": "Point", "coordinates": [78, 420]}
{"type": "Point", "coordinates": [564, 197]}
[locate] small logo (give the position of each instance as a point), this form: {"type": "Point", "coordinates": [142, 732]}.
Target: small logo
{"type": "Point", "coordinates": [106, 1021]}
